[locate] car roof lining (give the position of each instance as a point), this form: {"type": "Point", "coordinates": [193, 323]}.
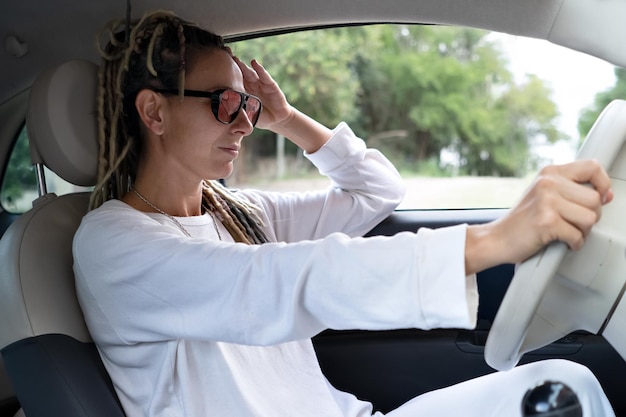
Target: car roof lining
{"type": "Point", "coordinates": [568, 23]}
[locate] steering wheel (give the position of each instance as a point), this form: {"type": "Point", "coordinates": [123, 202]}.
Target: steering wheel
{"type": "Point", "coordinates": [558, 291]}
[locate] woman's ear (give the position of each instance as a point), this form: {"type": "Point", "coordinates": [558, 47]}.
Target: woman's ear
{"type": "Point", "coordinates": [149, 105]}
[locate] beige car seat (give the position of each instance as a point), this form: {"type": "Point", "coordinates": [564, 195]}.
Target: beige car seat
{"type": "Point", "coordinates": [51, 361]}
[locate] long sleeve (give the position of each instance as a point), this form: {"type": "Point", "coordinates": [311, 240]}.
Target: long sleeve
{"type": "Point", "coordinates": [146, 284]}
{"type": "Point", "coordinates": [365, 188]}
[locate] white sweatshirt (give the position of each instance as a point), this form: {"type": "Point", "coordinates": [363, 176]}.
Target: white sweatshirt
{"type": "Point", "coordinates": [198, 327]}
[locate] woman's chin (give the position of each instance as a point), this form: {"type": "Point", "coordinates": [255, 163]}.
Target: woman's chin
{"type": "Point", "coordinates": [226, 172]}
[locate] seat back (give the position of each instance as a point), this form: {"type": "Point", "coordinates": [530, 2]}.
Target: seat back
{"type": "Point", "coordinates": [56, 375]}
{"type": "Point", "coordinates": [47, 351]}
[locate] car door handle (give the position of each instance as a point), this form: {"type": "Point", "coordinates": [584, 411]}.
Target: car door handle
{"type": "Point", "coordinates": [474, 342]}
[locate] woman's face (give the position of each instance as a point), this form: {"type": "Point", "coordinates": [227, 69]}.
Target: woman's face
{"type": "Point", "coordinates": [194, 142]}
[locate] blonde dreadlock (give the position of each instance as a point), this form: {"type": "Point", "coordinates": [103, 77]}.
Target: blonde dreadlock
{"type": "Point", "coordinates": [153, 55]}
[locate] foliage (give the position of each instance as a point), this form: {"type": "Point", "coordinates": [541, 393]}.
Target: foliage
{"type": "Point", "coordinates": [589, 115]}
{"type": "Point", "coordinates": [450, 89]}
{"type": "Point", "coordinates": [19, 175]}
{"type": "Point", "coordinates": [413, 91]}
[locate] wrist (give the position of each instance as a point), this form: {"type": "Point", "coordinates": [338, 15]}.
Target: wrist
{"type": "Point", "coordinates": [482, 248]}
{"type": "Point", "coordinates": [302, 130]}
{"type": "Point", "coordinates": [283, 126]}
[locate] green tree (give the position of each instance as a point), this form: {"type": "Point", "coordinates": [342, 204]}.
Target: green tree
{"type": "Point", "coordinates": [450, 88]}
{"type": "Point", "coordinates": [525, 112]}
{"type": "Point", "coordinates": [412, 91]}
{"type": "Point", "coordinates": [589, 115]}
{"type": "Point", "coordinates": [19, 175]}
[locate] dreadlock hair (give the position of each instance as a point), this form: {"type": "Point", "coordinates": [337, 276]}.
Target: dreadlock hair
{"type": "Point", "coordinates": [152, 53]}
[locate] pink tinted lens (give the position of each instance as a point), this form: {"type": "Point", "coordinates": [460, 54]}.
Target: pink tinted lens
{"type": "Point", "coordinates": [230, 103]}
{"type": "Point", "coordinates": [253, 107]}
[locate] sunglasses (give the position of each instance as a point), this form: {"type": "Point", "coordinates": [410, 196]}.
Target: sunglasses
{"type": "Point", "coordinates": [226, 103]}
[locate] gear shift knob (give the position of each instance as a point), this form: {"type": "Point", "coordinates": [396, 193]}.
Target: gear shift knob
{"type": "Point", "coordinates": [551, 399]}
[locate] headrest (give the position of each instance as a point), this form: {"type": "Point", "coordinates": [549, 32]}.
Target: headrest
{"type": "Point", "coordinates": [62, 121]}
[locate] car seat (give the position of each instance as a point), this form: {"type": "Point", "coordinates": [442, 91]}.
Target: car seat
{"type": "Point", "coordinates": [49, 356]}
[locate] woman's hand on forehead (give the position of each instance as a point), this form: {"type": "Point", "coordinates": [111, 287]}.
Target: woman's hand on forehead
{"type": "Point", "coordinates": [257, 81]}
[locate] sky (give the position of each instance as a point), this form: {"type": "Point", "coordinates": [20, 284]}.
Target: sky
{"type": "Point", "coordinates": [574, 78]}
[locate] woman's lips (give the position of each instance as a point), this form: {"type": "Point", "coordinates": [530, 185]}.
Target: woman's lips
{"type": "Point", "coordinates": [232, 150]}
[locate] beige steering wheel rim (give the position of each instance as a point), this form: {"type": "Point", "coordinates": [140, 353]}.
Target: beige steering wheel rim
{"type": "Point", "coordinates": [517, 327]}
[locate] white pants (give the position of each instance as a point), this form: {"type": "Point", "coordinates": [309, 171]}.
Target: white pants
{"type": "Point", "coordinates": [500, 394]}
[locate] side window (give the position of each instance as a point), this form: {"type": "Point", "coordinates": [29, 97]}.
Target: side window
{"type": "Point", "coordinates": [467, 116]}
{"type": "Point", "coordinates": [19, 184]}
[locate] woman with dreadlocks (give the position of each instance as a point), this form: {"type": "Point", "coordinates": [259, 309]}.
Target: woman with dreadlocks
{"type": "Point", "coordinates": [202, 301]}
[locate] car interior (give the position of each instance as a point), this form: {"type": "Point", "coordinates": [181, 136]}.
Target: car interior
{"type": "Point", "coordinates": [50, 365]}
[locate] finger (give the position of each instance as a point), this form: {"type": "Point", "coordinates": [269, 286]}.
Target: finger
{"type": "Point", "coordinates": [582, 195]}
{"type": "Point", "coordinates": [249, 74]}
{"type": "Point", "coordinates": [573, 237]}
{"type": "Point", "coordinates": [580, 217]}
{"type": "Point", "coordinates": [552, 183]}
{"type": "Point", "coordinates": [588, 171]}
{"type": "Point", "coordinates": [562, 199]}
{"type": "Point", "coordinates": [264, 75]}
{"type": "Point", "coordinates": [561, 224]}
